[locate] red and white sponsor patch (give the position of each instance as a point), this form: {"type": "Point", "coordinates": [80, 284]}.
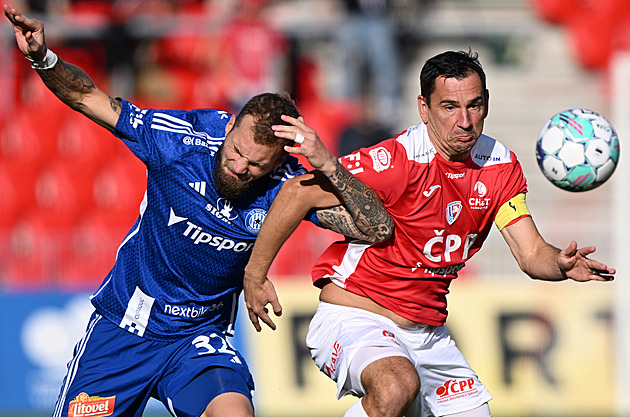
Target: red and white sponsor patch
{"type": "Point", "coordinates": [331, 365]}
{"type": "Point", "coordinates": [454, 389]}
{"type": "Point", "coordinates": [91, 406]}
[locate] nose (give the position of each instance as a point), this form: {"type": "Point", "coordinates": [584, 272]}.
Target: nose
{"type": "Point", "coordinates": [465, 122]}
{"type": "Point", "coordinates": [240, 166]}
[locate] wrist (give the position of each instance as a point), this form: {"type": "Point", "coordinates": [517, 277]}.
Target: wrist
{"type": "Point", "coordinates": [49, 61]}
{"type": "Point", "coordinates": [331, 168]}
{"type": "Point", "coordinates": [254, 275]}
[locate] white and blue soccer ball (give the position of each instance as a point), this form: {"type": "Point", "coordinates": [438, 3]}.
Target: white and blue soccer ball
{"type": "Point", "coordinates": [577, 150]}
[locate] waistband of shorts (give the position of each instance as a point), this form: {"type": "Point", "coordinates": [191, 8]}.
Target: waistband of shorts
{"type": "Point", "coordinates": [329, 308]}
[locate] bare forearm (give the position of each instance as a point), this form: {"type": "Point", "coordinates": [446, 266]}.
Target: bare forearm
{"type": "Point", "coordinates": [543, 265]}
{"type": "Point", "coordinates": [76, 89]}
{"type": "Point", "coordinates": [283, 218]}
{"type": "Point", "coordinates": [68, 82]}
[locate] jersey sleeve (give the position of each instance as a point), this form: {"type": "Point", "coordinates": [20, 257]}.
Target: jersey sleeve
{"type": "Point", "coordinates": [158, 137]}
{"type": "Point", "coordinates": [383, 167]}
{"type": "Point", "coordinates": [513, 183]}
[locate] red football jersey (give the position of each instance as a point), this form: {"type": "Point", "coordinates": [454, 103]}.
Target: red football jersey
{"type": "Point", "coordinates": [443, 212]}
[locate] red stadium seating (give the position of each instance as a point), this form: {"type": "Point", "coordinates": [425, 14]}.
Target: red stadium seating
{"type": "Point", "coordinates": [62, 191]}
{"type": "Point", "coordinates": [90, 253]}
{"type": "Point", "coordinates": [28, 254]}
{"type": "Point", "coordinates": [118, 190]}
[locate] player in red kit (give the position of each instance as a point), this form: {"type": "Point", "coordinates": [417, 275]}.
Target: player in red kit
{"type": "Point", "coordinates": [379, 329]}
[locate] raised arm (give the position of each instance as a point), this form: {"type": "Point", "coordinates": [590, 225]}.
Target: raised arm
{"type": "Point", "coordinates": [370, 220]}
{"type": "Point", "coordinates": [361, 216]}
{"type": "Point", "coordinates": [540, 260]}
{"type": "Point", "coordinates": [68, 82]}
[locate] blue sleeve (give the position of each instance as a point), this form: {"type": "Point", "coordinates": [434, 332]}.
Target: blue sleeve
{"type": "Point", "coordinates": [158, 137]}
{"type": "Point", "coordinates": [311, 216]}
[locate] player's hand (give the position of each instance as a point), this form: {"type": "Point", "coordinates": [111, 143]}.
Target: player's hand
{"type": "Point", "coordinates": [29, 34]}
{"type": "Point", "coordinates": [575, 264]}
{"type": "Point", "coordinates": [307, 144]}
{"type": "Point", "coordinates": [257, 294]}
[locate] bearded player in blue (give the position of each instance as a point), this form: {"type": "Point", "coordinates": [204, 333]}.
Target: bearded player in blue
{"type": "Point", "coordinates": [163, 312]}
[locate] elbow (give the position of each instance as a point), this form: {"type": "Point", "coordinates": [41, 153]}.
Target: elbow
{"type": "Point", "coordinates": [381, 231]}
{"type": "Point", "coordinates": [388, 229]}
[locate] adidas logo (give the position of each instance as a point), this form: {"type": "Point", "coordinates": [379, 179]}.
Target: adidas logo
{"type": "Point", "coordinates": [199, 186]}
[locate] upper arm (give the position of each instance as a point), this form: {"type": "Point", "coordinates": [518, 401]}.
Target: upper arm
{"type": "Point", "coordinates": [101, 108]}
{"type": "Point", "coordinates": [312, 190]}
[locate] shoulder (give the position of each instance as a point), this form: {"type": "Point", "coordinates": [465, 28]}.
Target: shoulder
{"type": "Point", "coordinates": [488, 151]}
{"type": "Point", "coordinates": [416, 143]}
{"type": "Point", "coordinates": [197, 122]}
{"type": "Point", "coordinates": [290, 168]}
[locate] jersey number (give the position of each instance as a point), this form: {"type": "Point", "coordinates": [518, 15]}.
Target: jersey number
{"type": "Point", "coordinates": [203, 344]}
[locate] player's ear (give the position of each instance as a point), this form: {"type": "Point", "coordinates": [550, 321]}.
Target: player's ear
{"type": "Point", "coordinates": [487, 105]}
{"type": "Point", "coordinates": [230, 124]}
{"type": "Point", "coordinates": [423, 108]}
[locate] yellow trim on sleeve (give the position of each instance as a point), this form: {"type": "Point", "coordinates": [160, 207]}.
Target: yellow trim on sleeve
{"type": "Point", "coordinates": [511, 210]}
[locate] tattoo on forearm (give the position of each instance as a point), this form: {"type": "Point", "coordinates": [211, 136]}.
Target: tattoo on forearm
{"type": "Point", "coordinates": [67, 81]}
{"type": "Point", "coordinates": [365, 207]}
{"type": "Point", "coordinates": [339, 220]}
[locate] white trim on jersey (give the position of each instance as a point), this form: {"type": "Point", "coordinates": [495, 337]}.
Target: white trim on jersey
{"type": "Point", "coordinates": [349, 262]}
{"type": "Point", "coordinates": [230, 328]}
{"type": "Point", "coordinates": [488, 151]}
{"type": "Point", "coordinates": [285, 172]}
{"type": "Point", "coordinates": [416, 142]}
{"type": "Point", "coordinates": [168, 123]}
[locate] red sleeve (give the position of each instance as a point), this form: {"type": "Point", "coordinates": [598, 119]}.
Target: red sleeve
{"type": "Point", "coordinates": [513, 182]}
{"type": "Point", "coordinates": [384, 167]}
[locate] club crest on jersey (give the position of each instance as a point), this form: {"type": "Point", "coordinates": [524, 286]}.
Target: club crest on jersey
{"type": "Point", "coordinates": [452, 211]}
{"type": "Point", "coordinates": [480, 188]}
{"type": "Point", "coordinates": [381, 158]}
{"type": "Point", "coordinates": [223, 210]}
{"type": "Point", "coordinates": [254, 219]}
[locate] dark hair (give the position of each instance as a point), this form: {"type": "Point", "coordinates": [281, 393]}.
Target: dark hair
{"type": "Point", "coordinates": [266, 109]}
{"type": "Point", "coordinates": [450, 64]}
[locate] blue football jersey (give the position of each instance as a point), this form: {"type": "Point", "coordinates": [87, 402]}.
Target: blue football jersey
{"type": "Point", "coordinates": [180, 267]}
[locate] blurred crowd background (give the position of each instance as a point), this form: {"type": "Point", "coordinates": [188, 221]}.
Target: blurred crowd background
{"type": "Point", "coordinates": [69, 190]}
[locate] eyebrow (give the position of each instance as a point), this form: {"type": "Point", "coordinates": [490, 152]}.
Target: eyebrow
{"type": "Point", "coordinates": [454, 102]}
{"type": "Point", "coordinates": [250, 162]}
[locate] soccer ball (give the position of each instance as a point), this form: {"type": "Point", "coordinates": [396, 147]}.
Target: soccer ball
{"type": "Point", "coordinates": [577, 150]}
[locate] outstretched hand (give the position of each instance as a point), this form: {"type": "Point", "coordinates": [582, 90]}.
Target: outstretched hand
{"type": "Point", "coordinates": [29, 34]}
{"type": "Point", "coordinates": [575, 264]}
{"type": "Point", "coordinates": [257, 295]}
{"type": "Point", "coordinates": [309, 144]}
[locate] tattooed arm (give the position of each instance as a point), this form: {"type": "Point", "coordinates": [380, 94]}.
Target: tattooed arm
{"type": "Point", "coordinates": [362, 215]}
{"type": "Point", "coordinates": [68, 82]}
{"type": "Point", "coordinates": [293, 202]}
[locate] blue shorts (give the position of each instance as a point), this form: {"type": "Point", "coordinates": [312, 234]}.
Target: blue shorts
{"type": "Point", "coordinates": [114, 372]}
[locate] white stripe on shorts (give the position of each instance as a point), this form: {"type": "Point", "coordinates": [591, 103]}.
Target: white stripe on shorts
{"type": "Point", "coordinates": [74, 365]}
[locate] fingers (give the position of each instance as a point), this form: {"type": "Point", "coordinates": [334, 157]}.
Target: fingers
{"type": "Point", "coordinates": [296, 130]}
{"type": "Point", "coordinates": [601, 270]}
{"type": "Point", "coordinates": [263, 315]}
{"type": "Point", "coordinates": [253, 317]}
{"type": "Point", "coordinates": [257, 311]}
